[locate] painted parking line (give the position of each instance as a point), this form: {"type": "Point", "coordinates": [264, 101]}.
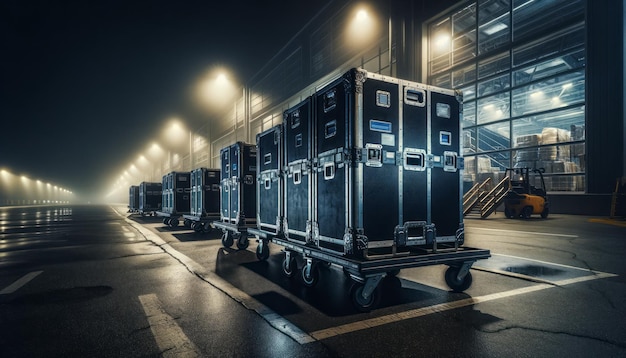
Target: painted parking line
{"type": "Point", "coordinates": [275, 320]}
{"type": "Point", "coordinates": [170, 338]}
{"type": "Point", "coordinates": [19, 283]}
{"type": "Point", "coordinates": [442, 307]}
{"type": "Point", "coordinates": [288, 328]}
{"type": "Point", "coordinates": [520, 232]}
{"type": "Point", "coordinates": [614, 222]}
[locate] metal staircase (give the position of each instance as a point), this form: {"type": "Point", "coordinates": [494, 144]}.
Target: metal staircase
{"type": "Point", "coordinates": [483, 199]}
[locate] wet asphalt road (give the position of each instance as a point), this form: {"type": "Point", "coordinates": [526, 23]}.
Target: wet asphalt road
{"type": "Point", "coordinates": [86, 281]}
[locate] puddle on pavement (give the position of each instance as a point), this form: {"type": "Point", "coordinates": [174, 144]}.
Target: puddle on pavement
{"type": "Point", "coordinates": [535, 270]}
{"type": "Point", "coordinates": [531, 268]}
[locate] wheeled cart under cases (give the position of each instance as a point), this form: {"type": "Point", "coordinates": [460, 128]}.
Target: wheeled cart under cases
{"type": "Point", "coordinates": [371, 181]}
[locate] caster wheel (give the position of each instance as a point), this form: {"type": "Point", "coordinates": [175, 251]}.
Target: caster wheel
{"type": "Point", "coordinates": [207, 227]}
{"type": "Point", "coordinates": [242, 243]}
{"type": "Point", "coordinates": [262, 252]}
{"type": "Point", "coordinates": [289, 267]}
{"type": "Point", "coordinates": [310, 275]}
{"type": "Point", "coordinates": [227, 240]}
{"type": "Point", "coordinates": [197, 227]}
{"type": "Point", "coordinates": [527, 212]}
{"type": "Point", "coordinates": [188, 223]}
{"type": "Point", "coordinates": [453, 281]}
{"type": "Point", "coordinates": [166, 221]}
{"type": "Point", "coordinates": [361, 303]}
{"type": "Point", "coordinates": [174, 222]}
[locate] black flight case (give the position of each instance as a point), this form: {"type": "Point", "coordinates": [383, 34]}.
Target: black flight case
{"type": "Point", "coordinates": [175, 197]}
{"type": "Point", "coordinates": [238, 193]}
{"type": "Point", "coordinates": [385, 184]}
{"type": "Point", "coordinates": [133, 199]}
{"type": "Point", "coordinates": [150, 198]}
{"type": "Point", "coordinates": [205, 199]}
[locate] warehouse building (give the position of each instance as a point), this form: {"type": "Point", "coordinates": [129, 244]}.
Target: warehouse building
{"type": "Point", "coordinates": [542, 83]}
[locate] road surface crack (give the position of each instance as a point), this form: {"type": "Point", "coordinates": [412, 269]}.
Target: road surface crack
{"type": "Point", "coordinates": [543, 330]}
{"type": "Point", "coordinates": [573, 255]}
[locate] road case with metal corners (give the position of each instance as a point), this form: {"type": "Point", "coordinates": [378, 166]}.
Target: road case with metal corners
{"type": "Point", "coordinates": [385, 184]}
{"type": "Point", "coordinates": [175, 197]}
{"type": "Point", "coordinates": [133, 199]}
{"type": "Point", "coordinates": [150, 198]}
{"type": "Point", "coordinates": [387, 166]}
{"type": "Point", "coordinates": [205, 199]}
{"type": "Point", "coordinates": [269, 179]}
{"type": "Point", "coordinates": [298, 150]}
{"type": "Point", "coordinates": [238, 193]}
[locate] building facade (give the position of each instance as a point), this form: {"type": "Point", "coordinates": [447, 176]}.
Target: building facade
{"type": "Point", "coordinates": [542, 81]}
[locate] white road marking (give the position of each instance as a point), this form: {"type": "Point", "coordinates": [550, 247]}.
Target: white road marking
{"type": "Point", "coordinates": [547, 263]}
{"type": "Point", "coordinates": [274, 319]}
{"type": "Point", "coordinates": [302, 337]}
{"type": "Point", "coordinates": [19, 283]}
{"type": "Point", "coordinates": [424, 311]}
{"type": "Point", "coordinates": [521, 232]}
{"type": "Point", "coordinates": [170, 338]}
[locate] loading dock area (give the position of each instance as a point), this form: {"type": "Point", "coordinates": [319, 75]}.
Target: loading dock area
{"type": "Point", "coordinates": [541, 275]}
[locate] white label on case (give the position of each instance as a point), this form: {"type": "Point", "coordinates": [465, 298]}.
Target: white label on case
{"type": "Point", "coordinates": [388, 139]}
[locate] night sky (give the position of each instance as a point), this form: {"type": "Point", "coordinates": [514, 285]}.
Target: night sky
{"type": "Point", "coordinates": [86, 85]}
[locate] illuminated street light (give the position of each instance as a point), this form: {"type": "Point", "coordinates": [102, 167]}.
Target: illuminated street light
{"type": "Point", "coordinates": [216, 90]}
{"type": "Point", "coordinates": [362, 30]}
{"type": "Point", "coordinates": [155, 152]}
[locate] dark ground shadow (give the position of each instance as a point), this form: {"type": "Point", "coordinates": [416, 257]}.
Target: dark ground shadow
{"type": "Point", "coordinates": [331, 295]}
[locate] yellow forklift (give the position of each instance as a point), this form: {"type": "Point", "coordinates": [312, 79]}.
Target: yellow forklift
{"type": "Point", "coordinates": [524, 199]}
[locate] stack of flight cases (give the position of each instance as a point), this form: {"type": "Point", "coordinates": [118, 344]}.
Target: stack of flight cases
{"type": "Point", "coordinates": [370, 181]}
{"type": "Point", "coordinates": [205, 199]}
{"type": "Point", "coordinates": [175, 197]}
{"type": "Point", "coordinates": [133, 199]}
{"type": "Point", "coordinates": [238, 193]}
{"type": "Point", "coordinates": [150, 198]}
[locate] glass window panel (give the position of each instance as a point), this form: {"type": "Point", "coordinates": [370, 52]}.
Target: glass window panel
{"type": "Point", "coordinates": [493, 108]}
{"type": "Point", "coordinates": [561, 158]}
{"type": "Point", "coordinates": [469, 141]}
{"type": "Point", "coordinates": [440, 38]}
{"type": "Point", "coordinates": [494, 137]}
{"type": "Point", "coordinates": [563, 63]}
{"type": "Point", "coordinates": [440, 45]}
{"type": "Point", "coordinates": [492, 165]}
{"type": "Point", "coordinates": [464, 20]}
{"type": "Point", "coordinates": [493, 24]}
{"type": "Point", "coordinates": [535, 17]}
{"type": "Point", "coordinates": [469, 93]}
{"type": "Point", "coordinates": [547, 47]}
{"type": "Point", "coordinates": [464, 47]}
{"type": "Point", "coordinates": [442, 81]}
{"type": "Point", "coordinates": [464, 30]}
{"type": "Point", "coordinates": [527, 131]}
{"type": "Point", "coordinates": [464, 75]}
{"type": "Point", "coordinates": [560, 91]}
{"type": "Point", "coordinates": [494, 85]}
{"type": "Point", "coordinates": [564, 182]}
{"type": "Point", "coordinates": [482, 167]}
{"type": "Point", "coordinates": [469, 114]}
{"type": "Point", "coordinates": [494, 65]}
